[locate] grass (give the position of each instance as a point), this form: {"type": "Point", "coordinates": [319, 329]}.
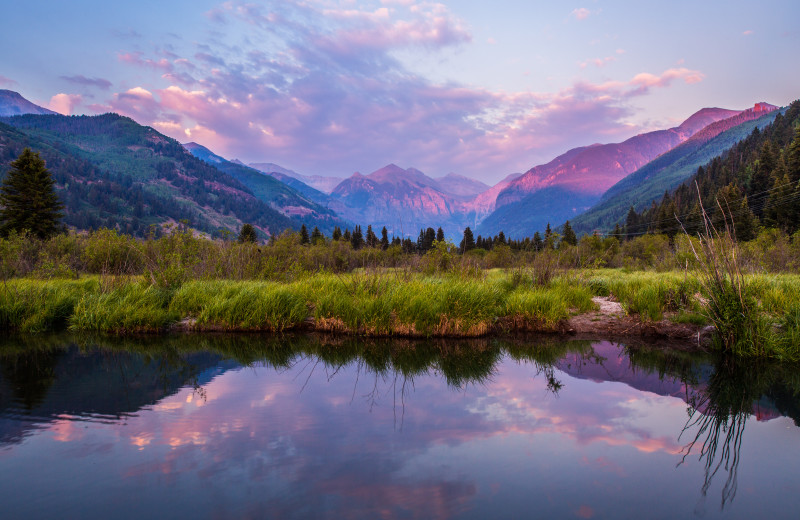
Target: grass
{"type": "Point", "coordinates": [390, 303]}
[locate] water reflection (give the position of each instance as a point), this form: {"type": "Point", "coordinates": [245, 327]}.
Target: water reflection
{"type": "Point", "coordinates": [300, 426]}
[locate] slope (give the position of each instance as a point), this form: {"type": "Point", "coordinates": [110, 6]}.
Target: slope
{"type": "Point", "coordinates": [280, 196]}
{"type": "Point", "coordinates": [112, 172]}
{"type": "Point", "coordinates": [669, 170]}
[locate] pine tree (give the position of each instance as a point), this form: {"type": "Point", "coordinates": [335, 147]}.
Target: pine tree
{"type": "Point", "coordinates": [357, 238]}
{"type": "Point", "coordinates": [316, 236]}
{"type": "Point", "coordinates": [28, 198]}
{"type": "Point", "coordinates": [793, 157]}
{"type": "Point", "coordinates": [247, 234]}
{"type": "Point", "coordinates": [337, 233]}
{"type": "Point", "coordinates": [385, 239]}
{"type": "Point", "coordinates": [537, 241]}
{"type": "Point", "coordinates": [430, 236]}
{"type": "Point", "coordinates": [439, 235]}
{"type": "Point", "coordinates": [304, 235]}
{"type": "Point", "coordinates": [549, 240]}
{"type": "Point", "coordinates": [501, 238]}
{"type": "Point", "coordinates": [372, 240]}
{"type": "Point", "coordinates": [569, 235]}
{"type": "Point", "coordinates": [347, 237]}
{"type": "Point", "coordinates": [468, 242]}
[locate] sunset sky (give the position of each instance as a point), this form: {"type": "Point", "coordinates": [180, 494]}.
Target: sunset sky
{"type": "Point", "coordinates": [331, 87]}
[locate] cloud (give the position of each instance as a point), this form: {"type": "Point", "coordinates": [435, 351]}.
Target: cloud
{"type": "Point", "coordinates": [135, 58]}
{"type": "Point", "coordinates": [747, 32]}
{"type": "Point", "coordinates": [7, 82]}
{"type": "Point", "coordinates": [581, 13]}
{"type": "Point", "coordinates": [323, 91]}
{"type": "Point", "coordinates": [597, 62]}
{"type": "Point", "coordinates": [64, 103]}
{"type": "Point", "coordinates": [89, 82]}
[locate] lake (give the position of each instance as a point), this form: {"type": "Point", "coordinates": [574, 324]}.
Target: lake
{"type": "Point", "coordinates": [302, 426]}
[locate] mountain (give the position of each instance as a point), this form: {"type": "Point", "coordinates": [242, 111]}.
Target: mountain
{"type": "Point", "coordinates": [571, 183]}
{"type": "Point", "coordinates": [459, 186]}
{"type": "Point", "coordinates": [669, 170]}
{"type": "Point", "coordinates": [318, 182]}
{"type": "Point", "coordinates": [402, 200]}
{"type": "Point", "coordinates": [755, 181]}
{"type": "Point", "coordinates": [13, 104]}
{"type": "Point", "coordinates": [280, 196]}
{"type": "Point", "coordinates": [112, 172]}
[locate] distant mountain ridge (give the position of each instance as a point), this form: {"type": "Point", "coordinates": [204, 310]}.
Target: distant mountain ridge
{"type": "Point", "coordinates": [282, 196]}
{"type": "Point", "coordinates": [318, 182]}
{"type": "Point", "coordinates": [669, 170]}
{"type": "Point", "coordinates": [13, 104]}
{"type": "Point", "coordinates": [573, 182]}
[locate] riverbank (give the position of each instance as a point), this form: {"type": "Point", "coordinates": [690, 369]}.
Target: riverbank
{"type": "Point", "coordinates": [611, 303]}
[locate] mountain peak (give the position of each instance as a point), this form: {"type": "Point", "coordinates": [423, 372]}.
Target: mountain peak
{"type": "Point", "coordinates": [13, 104]}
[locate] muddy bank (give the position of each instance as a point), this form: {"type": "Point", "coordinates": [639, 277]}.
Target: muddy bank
{"type": "Point", "coordinates": [608, 321]}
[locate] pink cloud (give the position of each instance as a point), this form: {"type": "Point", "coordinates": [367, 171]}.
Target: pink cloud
{"type": "Point", "coordinates": [581, 13]}
{"type": "Point", "coordinates": [64, 103]}
{"type": "Point", "coordinates": [135, 58]}
{"type": "Point", "coordinates": [329, 96]}
{"type": "Point", "coordinates": [7, 82]}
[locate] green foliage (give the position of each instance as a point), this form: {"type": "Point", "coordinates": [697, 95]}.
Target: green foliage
{"type": "Point", "coordinates": [28, 201]}
{"type": "Point", "coordinates": [248, 234]}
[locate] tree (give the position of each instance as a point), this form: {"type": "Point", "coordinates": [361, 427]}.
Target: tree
{"type": "Point", "coordinates": [440, 235]}
{"type": "Point", "coordinates": [304, 235]}
{"type": "Point", "coordinates": [247, 234]}
{"type": "Point", "coordinates": [28, 198]}
{"type": "Point", "coordinates": [357, 238]}
{"type": "Point", "coordinates": [317, 237]}
{"type": "Point", "coordinates": [468, 242]}
{"type": "Point", "coordinates": [537, 241]}
{"type": "Point", "coordinates": [385, 239]}
{"type": "Point", "coordinates": [372, 240]}
{"type": "Point", "coordinates": [337, 233]}
{"type": "Point", "coordinates": [569, 235]}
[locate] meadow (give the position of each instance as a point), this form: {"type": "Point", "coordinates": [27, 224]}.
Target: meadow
{"type": "Point", "coordinates": [108, 282]}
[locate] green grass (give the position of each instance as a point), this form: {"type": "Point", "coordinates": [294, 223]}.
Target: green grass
{"type": "Point", "coordinates": [387, 303]}
{"type": "Point", "coordinates": [30, 305]}
{"type": "Point", "coordinates": [133, 307]}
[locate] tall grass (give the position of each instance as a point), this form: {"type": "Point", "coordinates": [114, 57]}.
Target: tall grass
{"type": "Point", "coordinates": [39, 305]}
{"type": "Point", "coordinates": [133, 307]}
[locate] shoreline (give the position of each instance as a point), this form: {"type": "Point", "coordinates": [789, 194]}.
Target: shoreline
{"type": "Point", "coordinates": [608, 321]}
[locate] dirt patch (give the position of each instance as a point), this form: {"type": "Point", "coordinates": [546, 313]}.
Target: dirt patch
{"type": "Point", "coordinates": [610, 320]}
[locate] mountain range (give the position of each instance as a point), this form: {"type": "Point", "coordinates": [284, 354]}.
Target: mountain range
{"type": "Point", "coordinates": [98, 160]}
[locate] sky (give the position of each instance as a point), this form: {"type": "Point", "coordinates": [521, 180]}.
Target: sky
{"type": "Point", "coordinates": [330, 87]}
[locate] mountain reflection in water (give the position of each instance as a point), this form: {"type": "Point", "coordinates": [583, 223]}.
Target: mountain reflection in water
{"type": "Point", "coordinates": [308, 426]}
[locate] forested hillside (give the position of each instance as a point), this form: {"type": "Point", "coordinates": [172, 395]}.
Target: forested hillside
{"type": "Point", "coordinates": [112, 172]}
{"type": "Point", "coordinates": [668, 171]}
{"type": "Point", "coordinates": [757, 183]}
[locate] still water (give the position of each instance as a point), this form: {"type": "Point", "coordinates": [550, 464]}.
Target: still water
{"type": "Point", "coordinates": [308, 427]}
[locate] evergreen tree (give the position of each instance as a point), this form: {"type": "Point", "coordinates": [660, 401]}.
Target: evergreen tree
{"type": "Point", "coordinates": [793, 157]}
{"type": "Point", "coordinates": [468, 242]}
{"type": "Point", "coordinates": [501, 238]}
{"type": "Point", "coordinates": [347, 236]}
{"type": "Point", "coordinates": [385, 239]}
{"type": "Point", "coordinates": [247, 234]}
{"type": "Point", "coordinates": [357, 238]}
{"type": "Point", "coordinates": [631, 224]}
{"type": "Point", "coordinates": [28, 198]}
{"type": "Point", "coordinates": [372, 240]}
{"type": "Point", "coordinates": [439, 235]}
{"type": "Point", "coordinates": [317, 237]}
{"type": "Point", "coordinates": [337, 233]}
{"type": "Point", "coordinates": [537, 241]}
{"type": "Point", "coordinates": [430, 236]}
{"type": "Point", "coordinates": [569, 235]}
{"type": "Point", "coordinates": [549, 240]}
{"type": "Point", "coordinates": [304, 235]}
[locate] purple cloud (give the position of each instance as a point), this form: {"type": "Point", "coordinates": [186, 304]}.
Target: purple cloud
{"type": "Point", "coordinates": [88, 82]}
{"type": "Point", "coordinates": [323, 91]}
{"type": "Point", "coordinates": [7, 82]}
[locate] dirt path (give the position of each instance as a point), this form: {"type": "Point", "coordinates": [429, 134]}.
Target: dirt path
{"type": "Point", "coordinates": [610, 320]}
